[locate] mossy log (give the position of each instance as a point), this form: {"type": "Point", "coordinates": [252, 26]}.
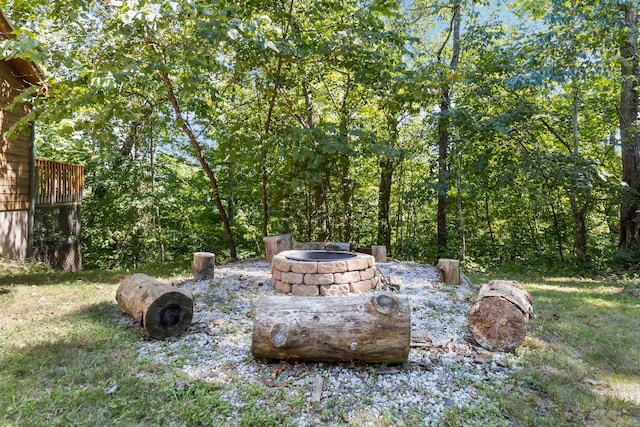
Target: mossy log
{"type": "Point", "coordinates": [372, 328]}
{"type": "Point", "coordinates": [499, 317]}
{"type": "Point", "coordinates": [162, 310]}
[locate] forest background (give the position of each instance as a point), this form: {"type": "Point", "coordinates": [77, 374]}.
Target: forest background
{"type": "Point", "coordinates": [489, 131]}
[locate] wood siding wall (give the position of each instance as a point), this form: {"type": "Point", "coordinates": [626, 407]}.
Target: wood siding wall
{"type": "Point", "coordinates": [15, 174]}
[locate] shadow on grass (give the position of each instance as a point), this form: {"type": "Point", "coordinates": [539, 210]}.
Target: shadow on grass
{"type": "Point", "coordinates": [91, 375]}
{"type": "Point", "coordinates": [38, 275]}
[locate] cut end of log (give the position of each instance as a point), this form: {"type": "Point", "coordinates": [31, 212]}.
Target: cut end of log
{"type": "Point", "coordinates": [169, 316]}
{"type": "Point", "coordinates": [498, 319]}
{"type": "Point", "coordinates": [162, 310]}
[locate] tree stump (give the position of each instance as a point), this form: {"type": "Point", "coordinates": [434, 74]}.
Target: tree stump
{"type": "Point", "coordinates": [162, 310]}
{"type": "Point", "coordinates": [203, 265]}
{"type": "Point", "coordinates": [273, 245]}
{"type": "Point", "coordinates": [498, 319]}
{"type": "Point", "coordinates": [379, 253]}
{"type": "Point", "coordinates": [449, 270]}
{"type": "Point", "coordinates": [373, 328]}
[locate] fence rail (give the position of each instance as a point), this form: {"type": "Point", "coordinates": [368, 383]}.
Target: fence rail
{"type": "Point", "coordinates": [58, 183]}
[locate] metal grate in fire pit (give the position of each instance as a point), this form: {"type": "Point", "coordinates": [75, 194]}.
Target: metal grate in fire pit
{"type": "Point", "coordinates": [320, 256]}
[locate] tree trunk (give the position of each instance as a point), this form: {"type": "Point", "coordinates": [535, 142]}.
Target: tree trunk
{"type": "Point", "coordinates": [387, 167]}
{"type": "Point", "coordinates": [372, 328]}
{"type": "Point", "coordinates": [498, 319]}
{"type": "Point", "coordinates": [443, 130]}
{"type": "Point", "coordinates": [463, 239]}
{"type": "Point", "coordinates": [384, 202]}
{"type": "Point", "coordinates": [162, 310]}
{"type": "Point", "coordinates": [193, 140]}
{"type": "Point", "coordinates": [629, 135]}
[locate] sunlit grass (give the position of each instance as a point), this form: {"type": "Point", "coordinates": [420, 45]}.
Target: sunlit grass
{"type": "Point", "coordinates": [581, 363]}
{"type": "Point", "coordinates": [66, 359]}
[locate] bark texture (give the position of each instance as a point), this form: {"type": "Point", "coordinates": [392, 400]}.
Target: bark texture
{"type": "Point", "coordinates": [162, 310]}
{"type": "Point", "coordinates": [372, 328]}
{"type": "Point", "coordinates": [498, 319]}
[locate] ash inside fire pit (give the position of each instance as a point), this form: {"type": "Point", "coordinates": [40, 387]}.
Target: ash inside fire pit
{"type": "Point", "coordinates": [311, 273]}
{"type": "Point", "coordinates": [320, 256]}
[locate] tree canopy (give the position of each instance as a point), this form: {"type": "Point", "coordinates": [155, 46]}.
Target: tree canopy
{"type": "Point", "coordinates": [482, 130]}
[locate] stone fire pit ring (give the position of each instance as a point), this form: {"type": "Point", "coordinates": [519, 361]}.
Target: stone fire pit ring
{"type": "Point", "coordinates": [323, 273]}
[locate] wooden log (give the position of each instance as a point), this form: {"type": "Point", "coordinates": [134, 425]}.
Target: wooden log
{"type": "Point", "coordinates": [499, 317]}
{"type": "Point", "coordinates": [203, 265]}
{"type": "Point", "coordinates": [273, 245]}
{"type": "Point", "coordinates": [372, 328]}
{"type": "Point", "coordinates": [449, 270]}
{"type": "Point", "coordinates": [162, 310]}
{"type": "Point", "coordinates": [379, 253]}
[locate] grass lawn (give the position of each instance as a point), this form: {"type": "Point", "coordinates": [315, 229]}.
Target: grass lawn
{"type": "Point", "coordinates": [66, 358]}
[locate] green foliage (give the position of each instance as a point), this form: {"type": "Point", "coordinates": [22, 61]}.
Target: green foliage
{"type": "Point", "coordinates": [300, 107]}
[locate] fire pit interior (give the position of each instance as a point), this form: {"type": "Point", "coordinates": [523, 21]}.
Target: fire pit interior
{"type": "Point", "coordinates": [319, 256]}
{"type": "Point", "coordinates": [326, 273]}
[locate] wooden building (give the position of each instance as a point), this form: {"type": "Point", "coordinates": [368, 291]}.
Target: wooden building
{"type": "Point", "coordinates": [33, 190]}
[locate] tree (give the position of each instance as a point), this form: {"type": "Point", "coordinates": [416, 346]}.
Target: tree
{"type": "Point", "coordinates": [629, 135]}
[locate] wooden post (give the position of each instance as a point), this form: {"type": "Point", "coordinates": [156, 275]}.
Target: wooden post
{"type": "Point", "coordinates": [162, 310]}
{"type": "Point", "coordinates": [203, 265]}
{"type": "Point", "coordinates": [373, 328]}
{"type": "Point", "coordinates": [379, 253]}
{"type": "Point", "coordinates": [498, 319]}
{"type": "Point", "coordinates": [273, 245]}
{"type": "Point", "coordinates": [449, 270]}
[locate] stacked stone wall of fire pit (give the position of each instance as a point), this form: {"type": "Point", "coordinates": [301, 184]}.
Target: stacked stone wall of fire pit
{"type": "Point", "coordinates": [356, 274]}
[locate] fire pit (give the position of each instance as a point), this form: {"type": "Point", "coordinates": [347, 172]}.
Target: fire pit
{"type": "Point", "coordinates": [311, 273]}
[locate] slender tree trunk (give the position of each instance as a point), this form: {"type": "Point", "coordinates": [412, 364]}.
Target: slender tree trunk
{"type": "Point", "coordinates": [384, 202]}
{"type": "Point", "coordinates": [264, 198]}
{"type": "Point", "coordinates": [443, 132]}
{"type": "Point", "coordinates": [156, 205]}
{"type": "Point", "coordinates": [579, 212]}
{"type": "Point", "coordinates": [463, 240]}
{"type": "Point", "coordinates": [488, 217]}
{"type": "Point", "coordinates": [345, 166]}
{"type": "Point", "coordinates": [387, 167]}
{"type": "Point", "coordinates": [557, 231]}
{"type": "Point", "coordinates": [629, 134]}
{"type": "Point", "coordinates": [193, 140]}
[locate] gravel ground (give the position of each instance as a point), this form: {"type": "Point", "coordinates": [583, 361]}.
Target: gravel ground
{"type": "Point", "coordinates": [443, 370]}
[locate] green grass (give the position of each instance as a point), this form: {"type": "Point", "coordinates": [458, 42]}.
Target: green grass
{"type": "Point", "coordinates": [581, 359]}
{"type": "Point", "coordinates": [66, 359]}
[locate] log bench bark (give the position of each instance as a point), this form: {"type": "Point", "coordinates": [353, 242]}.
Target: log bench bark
{"type": "Point", "coordinates": [499, 317]}
{"type": "Point", "coordinates": [372, 328]}
{"type": "Point", "coordinates": [449, 270]}
{"type": "Point", "coordinates": [203, 265]}
{"type": "Point", "coordinates": [162, 310]}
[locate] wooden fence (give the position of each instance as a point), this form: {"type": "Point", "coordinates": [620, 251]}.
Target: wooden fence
{"type": "Point", "coordinates": [58, 183]}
